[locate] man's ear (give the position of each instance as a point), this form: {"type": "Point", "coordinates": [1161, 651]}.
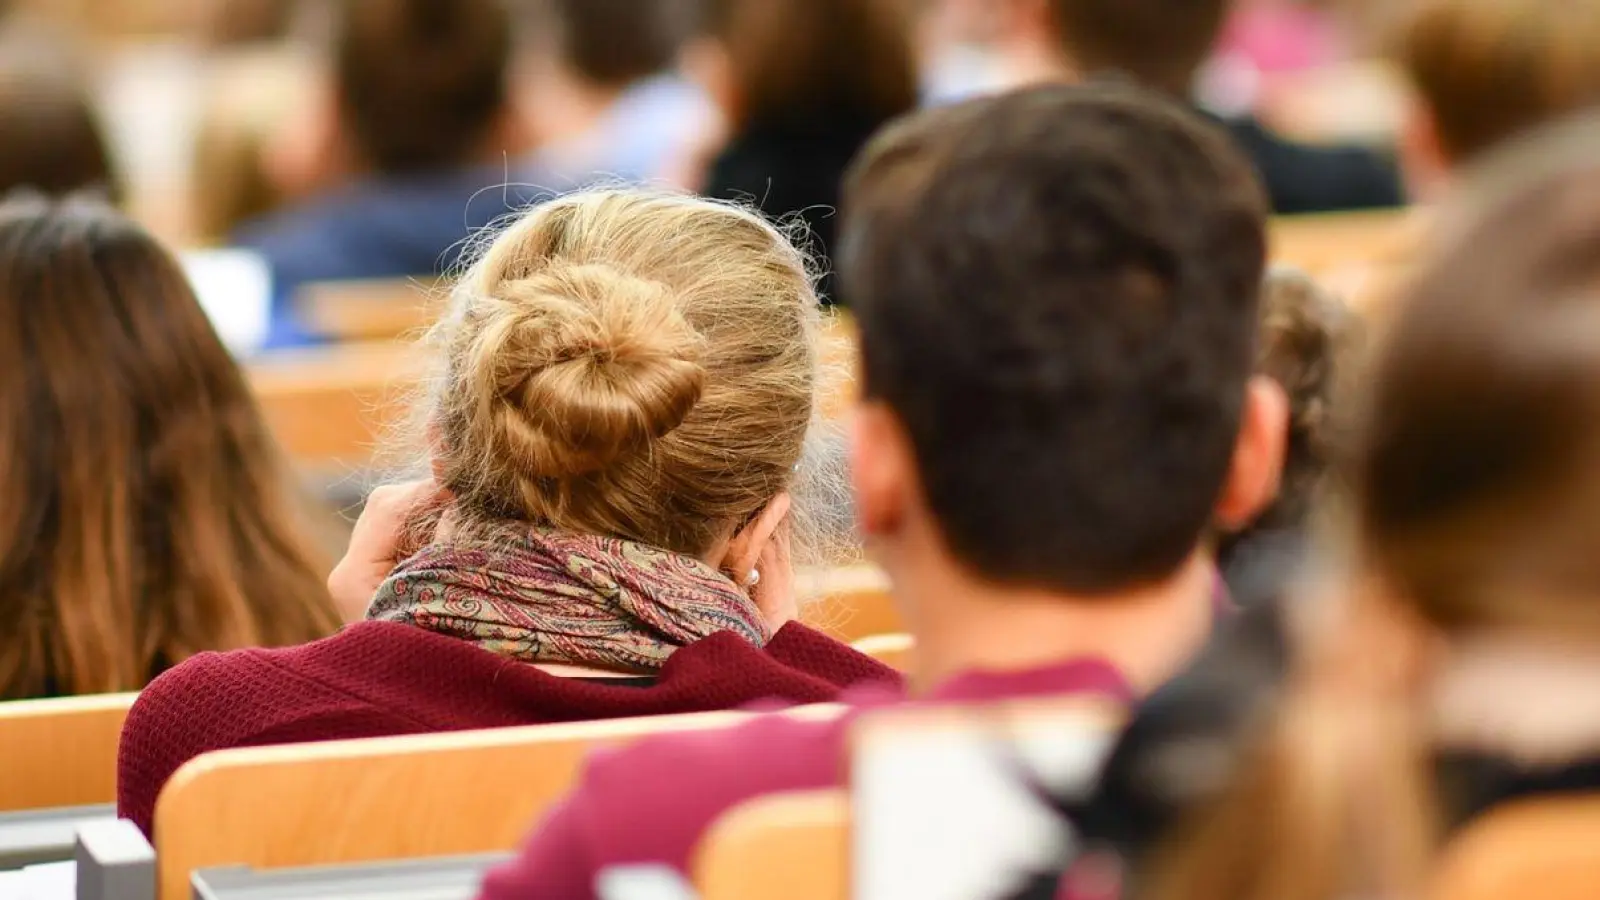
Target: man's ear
{"type": "Point", "coordinates": [1423, 160]}
{"type": "Point", "coordinates": [1257, 467]}
{"type": "Point", "coordinates": [881, 470]}
{"type": "Point", "coordinates": [309, 152]}
{"type": "Point", "coordinates": [744, 548]}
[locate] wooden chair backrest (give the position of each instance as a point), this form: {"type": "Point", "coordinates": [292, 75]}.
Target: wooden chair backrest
{"type": "Point", "coordinates": [382, 798]}
{"type": "Point", "coordinates": [793, 846]}
{"type": "Point", "coordinates": [893, 650]}
{"type": "Point", "coordinates": [851, 615]}
{"type": "Point", "coordinates": [1547, 848]}
{"type": "Point", "coordinates": [374, 310]}
{"type": "Point", "coordinates": [60, 752]}
{"type": "Point", "coordinates": [330, 406]}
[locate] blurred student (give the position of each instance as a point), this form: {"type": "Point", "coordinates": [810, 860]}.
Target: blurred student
{"type": "Point", "coordinates": [1162, 44]}
{"type": "Point", "coordinates": [803, 84]}
{"type": "Point", "coordinates": [627, 381]}
{"type": "Point", "coordinates": [1460, 673]}
{"type": "Point", "coordinates": [54, 142]}
{"type": "Point", "coordinates": [1309, 342]}
{"type": "Point", "coordinates": [148, 516]}
{"type": "Point", "coordinates": [1489, 70]}
{"type": "Point", "coordinates": [612, 104]}
{"type": "Point", "coordinates": [1030, 271]}
{"type": "Point", "coordinates": [405, 154]}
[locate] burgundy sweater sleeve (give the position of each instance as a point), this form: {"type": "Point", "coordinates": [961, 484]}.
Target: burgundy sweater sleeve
{"type": "Point", "coordinates": [216, 701]}
{"type": "Point", "coordinates": [557, 863]}
{"type": "Point", "coordinates": [808, 650]}
{"type": "Point", "coordinates": [161, 734]}
{"type": "Point", "coordinates": [649, 802]}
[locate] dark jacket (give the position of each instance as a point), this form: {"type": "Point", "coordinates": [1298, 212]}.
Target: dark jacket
{"type": "Point", "coordinates": [382, 228]}
{"type": "Point", "coordinates": [791, 170]}
{"type": "Point", "coordinates": [1301, 178]}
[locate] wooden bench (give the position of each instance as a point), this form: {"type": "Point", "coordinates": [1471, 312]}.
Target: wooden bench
{"type": "Point", "coordinates": [61, 752]}
{"type": "Point", "coordinates": [380, 799]}
{"type": "Point", "coordinates": [1546, 848]}
{"type": "Point", "coordinates": [330, 408]}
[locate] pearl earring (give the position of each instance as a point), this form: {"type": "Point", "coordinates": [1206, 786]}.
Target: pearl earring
{"type": "Point", "coordinates": [753, 579]}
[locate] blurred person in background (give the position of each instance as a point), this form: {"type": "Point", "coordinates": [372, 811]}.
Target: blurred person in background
{"type": "Point", "coordinates": [1163, 44]}
{"type": "Point", "coordinates": [411, 147]}
{"type": "Point", "coordinates": [53, 140]}
{"type": "Point", "coordinates": [1310, 342]}
{"type": "Point", "coordinates": [1457, 673]}
{"type": "Point", "coordinates": [1488, 70]}
{"type": "Point", "coordinates": [802, 85]}
{"type": "Point", "coordinates": [609, 101]}
{"type": "Point", "coordinates": [148, 514]}
{"type": "Point", "coordinates": [620, 432]}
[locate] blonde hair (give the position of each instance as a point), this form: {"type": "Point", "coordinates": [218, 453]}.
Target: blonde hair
{"type": "Point", "coordinates": [629, 363]}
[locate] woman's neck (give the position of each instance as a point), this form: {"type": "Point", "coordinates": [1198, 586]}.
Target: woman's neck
{"type": "Point", "coordinates": [562, 670]}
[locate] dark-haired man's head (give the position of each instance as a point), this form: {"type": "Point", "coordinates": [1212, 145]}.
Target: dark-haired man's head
{"type": "Point", "coordinates": [1057, 301]}
{"type": "Point", "coordinates": [1159, 43]}
{"type": "Point", "coordinates": [422, 85]}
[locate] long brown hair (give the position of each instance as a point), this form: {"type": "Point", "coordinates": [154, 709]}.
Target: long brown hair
{"type": "Point", "coordinates": [1477, 505]}
{"type": "Point", "coordinates": [146, 516]}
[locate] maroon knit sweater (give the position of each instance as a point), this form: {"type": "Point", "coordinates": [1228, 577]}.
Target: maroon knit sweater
{"type": "Point", "coordinates": [386, 678]}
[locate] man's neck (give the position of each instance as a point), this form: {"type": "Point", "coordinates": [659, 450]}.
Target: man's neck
{"type": "Point", "coordinates": [963, 624]}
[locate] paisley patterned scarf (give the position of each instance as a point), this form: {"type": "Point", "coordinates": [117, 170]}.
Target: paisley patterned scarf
{"type": "Point", "coordinates": [556, 597]}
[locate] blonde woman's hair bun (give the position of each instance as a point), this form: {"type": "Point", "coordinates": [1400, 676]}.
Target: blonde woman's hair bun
{"type": "Point", "coordinates": [581, 366]}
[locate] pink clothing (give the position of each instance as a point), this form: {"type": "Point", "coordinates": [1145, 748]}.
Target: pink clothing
{"type": "Point", "coordinates": [649, 803]}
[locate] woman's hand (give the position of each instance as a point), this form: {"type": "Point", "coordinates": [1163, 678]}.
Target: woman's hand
{"type": "Point", "coordinates": [774, 591]}
{"type": "Point", "coordinates": [378, 543]}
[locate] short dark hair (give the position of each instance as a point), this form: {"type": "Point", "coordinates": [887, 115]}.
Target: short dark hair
{"type": "Point", "coordinates": [616, 42]}
{"type": "Point", "coordinates": [1057, 293]}
{"type": "Point", "coordinates": [803, 64]}
{"type": "Point", "coordinates": [422, 82]}
{"type": "Point", "coordinates": [1160, 43]}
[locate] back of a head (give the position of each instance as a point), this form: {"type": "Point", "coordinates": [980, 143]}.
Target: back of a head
{"type": "Point", "coordinates": [53, 138]}
{"type": "Point", "coordinates": [1159, 43]}
{"type": "Point", "coordinates": [798, 64]}
{"type": "Point", "coordinates": [147, 517]}
{"type": "Point", "coordinates": [615, 42]}
{"type": "Point", "coordinates": [1309, 341]}
{"type": "Point", "coordinates": [422, 83]}
{"type": "Point", "coordinates": [627, 363]}
{"type": "Point", "coordinates": [1476, 489]}
{"type": "Point", "coordinates": [1057, 296]}
{"type": "Point", "coordinates": [1490, 69]}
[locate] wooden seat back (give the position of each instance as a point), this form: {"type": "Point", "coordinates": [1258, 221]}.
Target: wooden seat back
{"type": "Point", "coordinates": [793, 846]}
{"type": "Point", "coordinates": [60, 752]}
{"type": "Point", "coordinates": [1547, 848]}
{"type": "Point", "coordinates": [383, 798]}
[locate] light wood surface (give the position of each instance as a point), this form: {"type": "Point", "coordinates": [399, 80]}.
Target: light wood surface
{"type": "Point", "coordinates": [60, 752]}
{"type": "Point", "coordinates": [332, 407]}
{"type": "Point", "coordinates": [383, 798]}
{"type": "Point", "coordinates": [793, 846]}
{"type": "Point", "coordinates": [1546, 848]}
{"type": "Point", "coordinates": [852, 603]}
{"type": "Point", "coordinates": [373, 310]}
{"type": "Point", "coordinates": [893, 650]}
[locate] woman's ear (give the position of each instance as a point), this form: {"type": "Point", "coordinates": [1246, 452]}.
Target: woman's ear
{"type": "Point", "coordinates": [1257, 467]}
{"type": "Point", "coordinates": [747, 544]}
